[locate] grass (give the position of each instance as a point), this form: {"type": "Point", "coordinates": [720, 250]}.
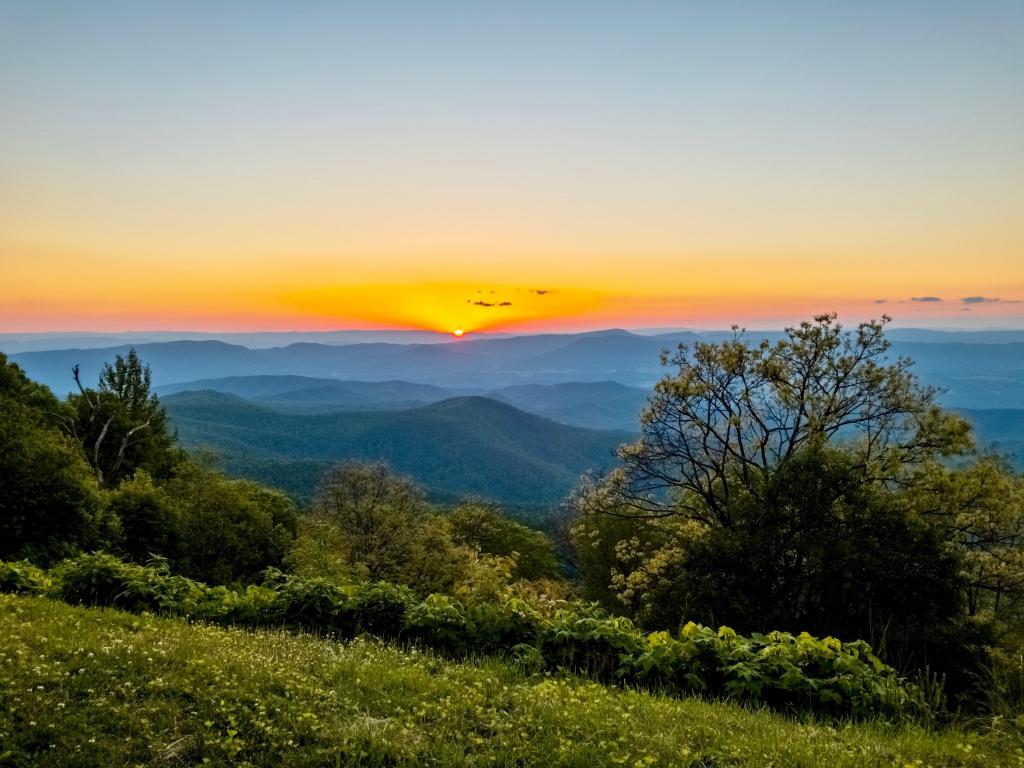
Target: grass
{"type": "Point", "coordinates": [90, 687]}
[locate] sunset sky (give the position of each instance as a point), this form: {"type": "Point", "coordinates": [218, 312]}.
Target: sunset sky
{"type": "Point", "coordinates": [509, 166]}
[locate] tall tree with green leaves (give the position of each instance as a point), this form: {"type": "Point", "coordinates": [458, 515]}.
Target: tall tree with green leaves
{"type": "Point", "coordinates": [49, 500]}
{"type": "Point", "coordinates": [770, 488]}
{"type": "Point", "coordinates": [121, 425]}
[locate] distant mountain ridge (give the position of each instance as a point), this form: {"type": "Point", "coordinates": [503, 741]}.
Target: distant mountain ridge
{"type": "Point", "coordinates": [989, 375]}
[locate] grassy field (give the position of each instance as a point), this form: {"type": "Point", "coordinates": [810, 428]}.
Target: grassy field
{"type": "Point", "coordinates": [88, 687]}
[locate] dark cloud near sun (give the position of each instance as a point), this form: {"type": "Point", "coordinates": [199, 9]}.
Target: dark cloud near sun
{"type": "Point", "coordinates": [479, 302]}
{"type": "Point", "coordinates": [926, 299]}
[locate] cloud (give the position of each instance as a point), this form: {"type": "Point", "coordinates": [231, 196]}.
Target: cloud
{"type": "Point", "coordinates": [540, 291]}
{"type": "Point", "coordinates": [978, 300]}
{"type": "Point", "coordinates": [484, 303]}
{"type": "Point", "coordinates": [880, 301]}
{"type": "Point", "coordinates": [505, 304]}
{"type": "Point", "coordinates": [925, 298]}
{"type": "Point", "coordinates": [965, 309]}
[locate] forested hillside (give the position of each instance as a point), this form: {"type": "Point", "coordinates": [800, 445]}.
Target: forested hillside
{"type": "Point", "coordinates": [470, 446]}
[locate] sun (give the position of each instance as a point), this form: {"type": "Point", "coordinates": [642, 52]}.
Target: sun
{"type": "Point", "coordinates": [457, 333]}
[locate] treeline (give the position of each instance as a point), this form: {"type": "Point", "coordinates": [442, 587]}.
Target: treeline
{"type": "Point", "coordinates": [803, 673]}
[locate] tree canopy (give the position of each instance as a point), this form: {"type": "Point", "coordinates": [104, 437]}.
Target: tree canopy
{"type": "Point", "coordinates": [121, 425]}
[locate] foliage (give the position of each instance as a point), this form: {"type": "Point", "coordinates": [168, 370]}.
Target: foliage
{"type": "Point", "coordinates": [23, 578]}
{"type": "Point", "coordinates": [370, 524]}
{"type": "Point", "coordinates": [732, 411]}
{"type": "Point", "coordinates": [376, 514]}
{"type": "Point", "coordinates": [840, 557]}
{"type": "Point", "coordinates": [778, 669]}
{"type": "Point", "coordinates": [121, 425]}
{"type": "Point", "coordinates": [796, 485]}
{"type": "Point", "coordinates": [49, 502]}
{"type": "Point", "coordinates": [484, 527]}
{"type": "Point", "coordinates": [231, 530]}
{"type": "Point", "coordinates": [124, 689]}
{"type": "Point", "coordinates": [150, 519]}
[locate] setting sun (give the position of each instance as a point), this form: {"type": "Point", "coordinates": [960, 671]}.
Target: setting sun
{"type": "Point", "coordinates": [457, 332]}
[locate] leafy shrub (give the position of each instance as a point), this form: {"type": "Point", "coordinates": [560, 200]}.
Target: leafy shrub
{"type": "Point", "coordinates": [317, 604]}
{"type": "Point", "coordinates": [440, 621]}
{"type": "Point", "coordinates": [253, 606]}
{"type": "Point", "coordinates": [104, 580]}
{"type": "Point", "coordinates": [508, 625]}
{"type": "Point", "coordinates": [381, 609]}
{"type": "Point", "coordinates": [585, 639]}
{"type": "Point", "coordinates": [23, 578]}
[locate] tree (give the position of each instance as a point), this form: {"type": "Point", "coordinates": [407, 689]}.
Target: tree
{"type": "Point", "coordinates": [770, 489]}
{"type": "Point", "coordinates": [231, 530]}
{"type": "Point", "coordinates": [121, 426]}
{"type": "Point", "coordinates": [150, 519]}
{"type": "Point", "coordinates": [486, 529]}
{"type": "Point", "coordinates": [49, 502]}
{"type": "Point", "coordinates": [367, 523]}
{"type": "Point", "coordinates": [376, 513]}
{"type": "Point", "coordinates": [733, 410]}
{"type": "Point", "coordinates": [980, 507]}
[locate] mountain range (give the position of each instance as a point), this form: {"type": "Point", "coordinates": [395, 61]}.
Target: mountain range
{"type": "Point", "coordinates": [986, 374]}
{"type": "Point", "coordinates": [488, 415]}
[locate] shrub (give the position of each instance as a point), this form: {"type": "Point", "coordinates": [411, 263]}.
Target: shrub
{"type": "Point", "coordinates": [503, 626]}
{"type": "Point", "coordinates": [441, 621]}
{"type": "Point", "coordinates": [381, 609]}
{"type": "Point", "coordinates": [317, 604]}
{"type": "Point", "coordinates": [585, 639]}
{"type": "Point", "coordinates": [23, 578]}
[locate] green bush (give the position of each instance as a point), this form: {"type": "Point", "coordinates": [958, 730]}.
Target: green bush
{"type": "Point", "coordinates": [381, 609]}
{"type": "Point", "coordinates": [23, 578]}
{"type": "Point", "coordinates": [501, 627]}
{"type": "Point", "coordinates": [441, 621]}
{"type": "Point", "coordinates": [315, 604]}
{"type": "Point", "coordinates": [105, 580]}
{"type": "Point", "coordinates": [584, 639]}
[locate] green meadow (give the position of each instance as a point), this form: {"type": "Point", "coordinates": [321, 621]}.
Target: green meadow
{"type": "Point", "coordinates": [88, 686]}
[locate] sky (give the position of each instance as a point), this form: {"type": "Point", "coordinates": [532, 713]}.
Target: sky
{"type": "Point", "coordinates": [509, 166]}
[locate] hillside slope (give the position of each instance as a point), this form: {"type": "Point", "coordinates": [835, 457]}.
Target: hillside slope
{"type": "Point", "coordinates": [311, 394]}
{"type": "Point", "coordinates": [466, 446]}
{"type": "Point", "coordinates": [123, 689]}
